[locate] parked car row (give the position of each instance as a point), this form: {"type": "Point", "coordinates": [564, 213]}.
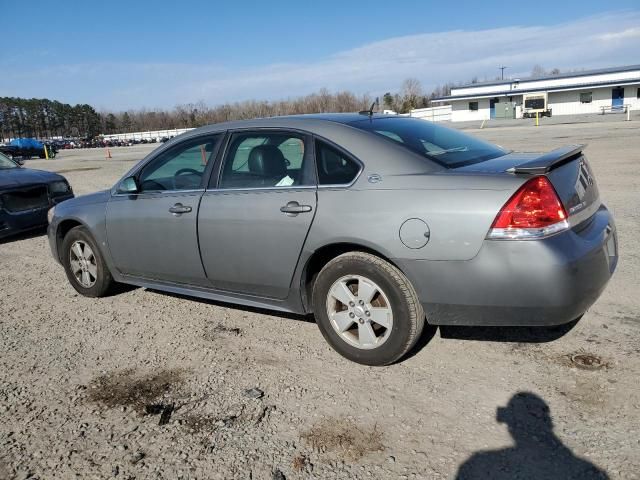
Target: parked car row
{"type": "Point", "coordinates": [101, 143]}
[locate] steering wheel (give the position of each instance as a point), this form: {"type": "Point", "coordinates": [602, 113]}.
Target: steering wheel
{"type": "Point", "coordinates": [183, 171]}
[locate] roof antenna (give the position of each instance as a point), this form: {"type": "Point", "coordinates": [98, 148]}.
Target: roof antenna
{"type": "Point", "coordinates": [369, 112]}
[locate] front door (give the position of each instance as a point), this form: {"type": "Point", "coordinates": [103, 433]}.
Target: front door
{"type": "Point", "coordinates": [492, 107]}
{"type": "Point", "coordinates": [617, 97]}
{"type": "Point", "coordinates": [253, 222]}
{"type": "Point", "coordinates": [153, 233]}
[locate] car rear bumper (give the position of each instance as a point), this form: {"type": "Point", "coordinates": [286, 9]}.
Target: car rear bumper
{"type": "Point", "coordinates": [534, 282]}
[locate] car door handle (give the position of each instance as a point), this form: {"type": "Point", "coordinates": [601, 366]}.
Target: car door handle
{"type": "Point", "coordinates": [294, 208]}
{"type": "Point", "coordinates": [178, 209]}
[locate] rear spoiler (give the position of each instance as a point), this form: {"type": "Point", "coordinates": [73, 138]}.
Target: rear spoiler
{"type": "Point", "coordinates": [549, 161]}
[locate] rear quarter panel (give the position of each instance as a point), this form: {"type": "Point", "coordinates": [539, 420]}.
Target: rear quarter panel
{"type": "Point", "coordinates": [458, 210]}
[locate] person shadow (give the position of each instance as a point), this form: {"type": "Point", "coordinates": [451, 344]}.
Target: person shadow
{"type": "Point", "coordinates": [537, 453]}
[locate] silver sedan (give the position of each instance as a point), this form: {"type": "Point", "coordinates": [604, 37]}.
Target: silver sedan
{"type": "Point", "coordinates": [373, 223]}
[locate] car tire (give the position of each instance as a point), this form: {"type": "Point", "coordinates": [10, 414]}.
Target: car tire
{"type": "Point", "coordinates": [377, 292]}
{"type": "Point", "coordinates": [84, 264]}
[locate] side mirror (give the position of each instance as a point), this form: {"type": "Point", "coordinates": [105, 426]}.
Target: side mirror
{"type": "Point", "coordinates": [128, 185]}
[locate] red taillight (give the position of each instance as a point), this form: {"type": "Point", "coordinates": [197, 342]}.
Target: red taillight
{"type": "Point", "coordinates": [534, 207]}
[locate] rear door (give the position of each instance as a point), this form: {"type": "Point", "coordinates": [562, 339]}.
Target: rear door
{"type": "Point", "coordinates": [153, 233]}
{"type": "Point", "coordinates": [254, 219]}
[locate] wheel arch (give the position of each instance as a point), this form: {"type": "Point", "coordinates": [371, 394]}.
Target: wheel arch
{"type": "Point", "coordinates": [62, 229]}
{"type": "Point", "coordinates": [323, 255]}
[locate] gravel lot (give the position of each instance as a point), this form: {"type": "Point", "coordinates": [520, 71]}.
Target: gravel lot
{"type": "Point", "coordinates": [148, 385]}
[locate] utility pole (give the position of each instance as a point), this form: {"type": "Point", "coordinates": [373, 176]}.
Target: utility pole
{"type": "Point", "coordinates": [502, 72]}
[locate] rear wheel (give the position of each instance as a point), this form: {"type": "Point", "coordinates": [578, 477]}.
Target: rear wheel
{"type": "Point", "coordinates": [84, 265]}
{"type": "Point", "coordinates": [366, 309]}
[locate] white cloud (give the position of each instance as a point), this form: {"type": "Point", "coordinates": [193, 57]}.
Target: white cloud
{"type": "Point", "coordinates": [434, 58]}
{"type": "Point", "coordinates": [625, 34]}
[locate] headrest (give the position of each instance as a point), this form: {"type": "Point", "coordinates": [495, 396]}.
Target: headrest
{"type": "Point", "coordinates": [331, 162]}
{"type": "Point", "coordinates": [267, 161]}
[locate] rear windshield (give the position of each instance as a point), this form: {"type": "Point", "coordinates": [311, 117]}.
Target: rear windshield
{"type": "Point", "coordinates": [445, 146]}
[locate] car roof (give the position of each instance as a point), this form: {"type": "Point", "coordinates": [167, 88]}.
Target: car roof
{"type": "Point", "coordinates": [304, 122]}
{"type": "Point", "coordinates": [337, 128]}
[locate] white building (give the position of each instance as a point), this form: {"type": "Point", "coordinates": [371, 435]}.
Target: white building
{"type": "Point", "coordinates": [593, 91]}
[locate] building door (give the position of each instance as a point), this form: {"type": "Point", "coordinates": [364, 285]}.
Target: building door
{"type": "Point", "coordinates": [492, 107]}
{"type": "Point", "coordinates": [617, 97]}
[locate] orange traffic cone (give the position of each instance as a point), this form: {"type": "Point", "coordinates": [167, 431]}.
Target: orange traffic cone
{"type": "Point", "coordinates": [108, 155]}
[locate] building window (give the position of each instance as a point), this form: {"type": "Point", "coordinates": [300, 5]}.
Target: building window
{"type": "Point", "coordinates": [638, 93]}
{"type": "Point", "coordinates": [473, 106]}
{"type": "Point", "coordinates": [586, 97]}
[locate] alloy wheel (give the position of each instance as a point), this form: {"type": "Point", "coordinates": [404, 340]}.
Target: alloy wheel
{"type": "Point", "coordinates": [83, 264]}
{"type": "Point", "coordinates": [359, 311]}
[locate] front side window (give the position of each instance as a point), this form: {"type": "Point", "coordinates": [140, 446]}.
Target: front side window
{"type": "Point", "coordinates": [181, 167]}
{"type": "Point", "coordinates": [334, 167]}
{"type": "Point", "coordinates": [473, 106]}
{"type": "Point", "coordinates": [586, 97]}
{"type": "Point", "coordinates": [445, 146]}
{"type": "Point", "coordinates": [266, 160]}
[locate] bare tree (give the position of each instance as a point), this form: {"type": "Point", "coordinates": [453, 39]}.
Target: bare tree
{"type": "Point", "coordinates": [538, 71]}
{"type": "Point", "coordinates": [411, 94]}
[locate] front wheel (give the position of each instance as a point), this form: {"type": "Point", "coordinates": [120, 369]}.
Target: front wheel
{"type": "Point", "coordinates": [367, 309]}
{"type": "Point", "coordinates": [84, 265]}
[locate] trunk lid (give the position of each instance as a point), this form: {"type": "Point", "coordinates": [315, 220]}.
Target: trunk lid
{"type": "Point", "coordinates": [567, 169]}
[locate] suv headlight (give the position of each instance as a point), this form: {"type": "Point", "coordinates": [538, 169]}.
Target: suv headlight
{"type": "Point", "coordinates": [50, 213]}
{"type": "Point", "coordinates": [59, 187]}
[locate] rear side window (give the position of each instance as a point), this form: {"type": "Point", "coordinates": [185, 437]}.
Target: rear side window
{"type": "Point", "coordinates": [334, 167]}
{"type": "Point", "coordinates": [446, 146]}
{"type": "Point", "coordinates": [267, 160]}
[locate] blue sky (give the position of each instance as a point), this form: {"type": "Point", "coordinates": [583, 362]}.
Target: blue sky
{"type": "Point", "coordinates": [120, 55]}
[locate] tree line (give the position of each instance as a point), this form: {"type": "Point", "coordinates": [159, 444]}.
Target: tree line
{"type": "Point", "coordinates": [44, 118]}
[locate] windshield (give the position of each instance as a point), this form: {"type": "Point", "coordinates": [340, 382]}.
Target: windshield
{"type": "Point", "coordinates": [443, 145]}
{"type": "Point", "coordinates": [6, 163]}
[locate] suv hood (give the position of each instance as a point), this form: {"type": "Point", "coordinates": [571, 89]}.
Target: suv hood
{"type": "Point", "coordinates": [16, 177]}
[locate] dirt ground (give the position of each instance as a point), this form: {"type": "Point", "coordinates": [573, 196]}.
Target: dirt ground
{"type": "Point", "coordinates": [148, 385]}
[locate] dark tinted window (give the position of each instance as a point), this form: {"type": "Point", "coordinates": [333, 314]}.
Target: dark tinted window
{"type": "Point", "coordinates": [473, 106]}
{"type": "Point", "coordinates": [445, 146]}
{"type": "Point", "coordinates": [534, 103]}
{"type": "Point", "coordinates": [263, 160]}
{"type": "Point", "coordinates": [586, 97]}
{"type": "Point", "coordinates": [334, 167]}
